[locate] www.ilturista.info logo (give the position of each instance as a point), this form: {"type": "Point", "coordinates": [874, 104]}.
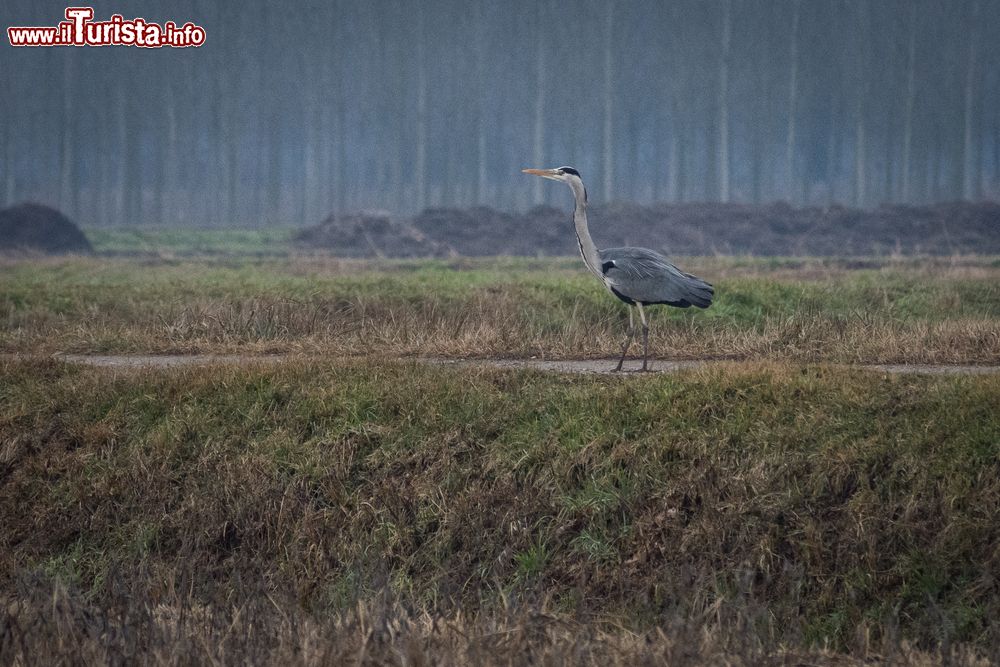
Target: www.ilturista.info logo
{"type": "Point", "coordinates": [79, 30]}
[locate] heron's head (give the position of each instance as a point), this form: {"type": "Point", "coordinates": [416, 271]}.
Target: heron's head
{"type": "Point", "coordinates": [564, 174]}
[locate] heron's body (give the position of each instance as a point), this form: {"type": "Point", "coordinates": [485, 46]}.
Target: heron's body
{"type": "Point", "coordinates": [638, 276]}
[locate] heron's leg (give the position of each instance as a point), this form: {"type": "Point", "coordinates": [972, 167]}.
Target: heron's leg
{"type": "Point", "coordinates": [629, 335]}
{"type": "Point", "coordinates": [645, 335]}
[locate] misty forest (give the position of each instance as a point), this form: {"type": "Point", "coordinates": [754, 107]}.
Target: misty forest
{"type": "Point", "coordinates": [285, 116]}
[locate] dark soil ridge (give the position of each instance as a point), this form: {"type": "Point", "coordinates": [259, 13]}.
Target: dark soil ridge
{"type": "Point", "coordinates": [682, 229]}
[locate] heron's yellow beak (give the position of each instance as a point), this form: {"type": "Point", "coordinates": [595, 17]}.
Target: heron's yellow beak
{"type": "Point", "coordinates": [544, 173]}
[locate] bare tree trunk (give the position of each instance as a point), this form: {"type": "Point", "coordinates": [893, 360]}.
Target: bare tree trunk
{"type": "Point", "coordinates": [67, 171]}
{"type": "Point", "coordinates": [723, 147]}
{"type": "Point", "coordinates": [538, 156]}
{"type": "Point", "coordinates": [122, 149]}
{"type": "Point", "coordinates": [860, 153]}
{"type": "Point", "coordinates": [673, 154]}
{"type": "Point", "coordinates": [134, 182]}
{"type": "Point", "coordinates": [682, 164]}
{"type": "Point", "coordinates": [969, 189]}
{"type": "Point", "coordinates": [310, 164]}
{"type": "Point", "coordinates": [632, 157]}
{"type": "Point", "coordinates": [223, 182]}
{"type": "Point", "coordinates": [155, 213]}
{"type": "Point", "coordinates": [450, 189]}
{"type": "Point", "coordinates": [275, 186]}
{"type": "Point", "coordinates": [608, 136]}
{"type": "Point", "coordinates": [911, 90]}
{"type": "Point", "coordinates": [659, 161]}
{"type": "Point", "coordinates": [336, 150]}
{"type": "Point", "coordinates": [168, 185]}
{"type": "Point", "coordinates": [833, 154]}
{"type": "Point", "coordinates": [231, 133]}
{"type": "Point", "coordinates": [104, 200]}
{"type": "Point", "coordinates": [632, 179]}
{"type": "Point", "coordinates": [936, 177]}
{"type": "Point", "coordinates": [481, 110]}
{"type": "Point", "coordinates": [888, 164]}
{"type": "Point", "coordinates": [400, 133]}
{"type": "Point", "coordinates": [756, 167]}
{"type": "Point", "coordinates": [10, 183]}
{"type": "Point", "coordinates": [481, 185]}
{"type": "Point", "coordinates": [340, 163]}
{"type": "Point", "coordinates": [332, 121]}
{"type": "Point", "coordinates": [996, 152]}
{"type": "Point", "coordinates": [420, 168]}
{"type": "Point", "coordinates": [860, 130]}
{"type": "Point", "coordinates": [793, 90]}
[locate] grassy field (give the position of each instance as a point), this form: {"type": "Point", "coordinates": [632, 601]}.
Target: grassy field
{"type": "Point", "coordinates": [180, 242]}
{"type": "Point", "coordinates": [361, 506]}
{"type": "Point", "coordinates": [935, 311]}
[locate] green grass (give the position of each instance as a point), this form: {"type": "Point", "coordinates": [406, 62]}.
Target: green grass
{"type": "Point", "coordinates": [831, 500]}
{"type": "Point", "coordinates": [186, 242]}
{"type": "Point", "coordinates": [810, 310]}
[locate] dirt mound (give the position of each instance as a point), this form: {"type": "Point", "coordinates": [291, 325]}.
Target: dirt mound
{"type": "Point", "coordinates": [477, 231]}
{"type": "Point", "coordinates": [370, 234]}
{"type": "Point", "coordinates": [483, 231]}
{"type": "Point", "coordinates": [780, 229]}
{"type": "Point", "coordinates": [40, 228]}
{"type": "Point", "coordinates": [682, 229]}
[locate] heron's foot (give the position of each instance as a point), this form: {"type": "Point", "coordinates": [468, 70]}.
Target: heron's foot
{"type": "Point", "coordinates": [617, 369]}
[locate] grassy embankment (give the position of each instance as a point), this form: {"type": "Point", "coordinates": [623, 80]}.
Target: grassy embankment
{"type": "Point", "coordinates": [744, 510]}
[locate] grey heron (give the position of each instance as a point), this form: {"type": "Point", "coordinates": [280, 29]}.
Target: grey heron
{"type": "Point", "coordinates": [637, 276]}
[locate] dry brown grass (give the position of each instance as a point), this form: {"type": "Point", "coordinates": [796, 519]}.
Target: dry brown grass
{"type": "Point", "coordinates": [47, 624]}
{"type": "Point", "coordinates": [862, 311]}
{"type": "Point", "coordinates": [497, 327]}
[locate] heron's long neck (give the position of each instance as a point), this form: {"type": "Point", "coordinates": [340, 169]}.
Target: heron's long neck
{"type": "Point", "coordinates": [587, 247]}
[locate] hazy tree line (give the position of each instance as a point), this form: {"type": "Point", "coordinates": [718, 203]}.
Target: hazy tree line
{"type": "Point", "coordinates": [293, 110]}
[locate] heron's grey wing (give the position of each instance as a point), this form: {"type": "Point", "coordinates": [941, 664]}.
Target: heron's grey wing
{"type": "Point", "coordinates": [638, 274]}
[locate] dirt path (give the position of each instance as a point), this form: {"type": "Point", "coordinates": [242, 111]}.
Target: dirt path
{"type": "Point", "coordinates": [170, 360]}
{"type": "Point", "coordinates": [580, 366]}
{"type": "Point", "coordinates": [605, 366]}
